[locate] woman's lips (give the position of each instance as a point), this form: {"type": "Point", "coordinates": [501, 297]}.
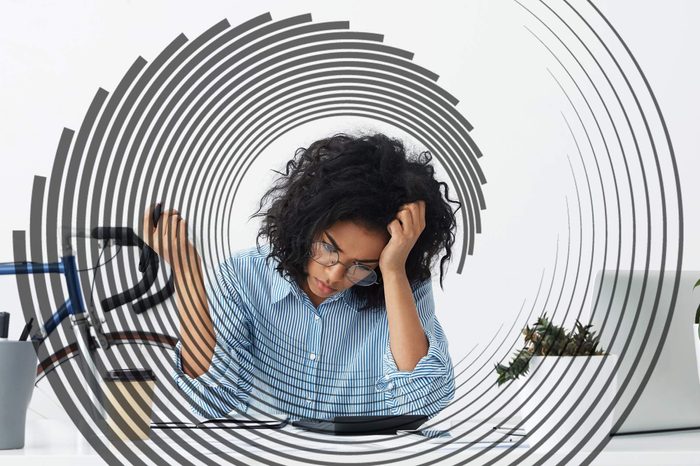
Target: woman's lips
{"type": "Point", "coordinates": [323, 287]}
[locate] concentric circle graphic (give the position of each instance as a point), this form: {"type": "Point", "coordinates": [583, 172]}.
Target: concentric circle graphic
{"type": "Point", "coordinates": [186, 128]}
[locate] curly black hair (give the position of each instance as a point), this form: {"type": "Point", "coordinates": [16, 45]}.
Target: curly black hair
{"type": "Point", "coordinates": [362, 179]}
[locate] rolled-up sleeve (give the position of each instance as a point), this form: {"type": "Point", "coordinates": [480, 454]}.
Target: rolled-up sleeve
{"type": "Point", "coordinates": [226, 385]}
{"type": "Point", "coordinates": [429, 387]}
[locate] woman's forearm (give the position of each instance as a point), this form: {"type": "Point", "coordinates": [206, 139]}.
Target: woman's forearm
{"type": "Point", "coordinates": [196, 328]}
{"type": "Point", "coordinates": [407, 338]}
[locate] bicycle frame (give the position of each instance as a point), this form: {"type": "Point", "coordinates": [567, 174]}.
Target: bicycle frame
{"type": "Point", "coordinates": [68, 268]}
{"type": "Point", "coordinates": [83, 318]}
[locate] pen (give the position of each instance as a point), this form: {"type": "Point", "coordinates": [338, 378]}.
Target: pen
{"type": "Point", "coordinates": [4, 324]}
{"type": "Point", "coordinates": [25, 331]}
{"type": "Point", "coordinates": [509, 430]}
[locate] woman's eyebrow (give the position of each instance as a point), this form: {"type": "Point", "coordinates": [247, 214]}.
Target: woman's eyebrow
{"type": "Point", "coordinates": [335, 245]}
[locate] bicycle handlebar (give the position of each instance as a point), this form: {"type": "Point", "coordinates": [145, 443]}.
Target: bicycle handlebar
{"type": "Point", "coordinates": [148, 265]}
{"type": "Point", "coordinates": [124, 236]}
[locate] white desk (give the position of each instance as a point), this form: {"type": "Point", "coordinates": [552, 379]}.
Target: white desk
{"type": "Point", "coordinates": [51, 442]}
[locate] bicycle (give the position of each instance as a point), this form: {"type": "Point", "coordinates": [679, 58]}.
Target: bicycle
{"type": "Point", "coordinates": [86, 322]}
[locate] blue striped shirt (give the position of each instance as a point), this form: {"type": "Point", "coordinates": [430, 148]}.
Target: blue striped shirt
{"type": "Point", "coordinates": [277, 354]}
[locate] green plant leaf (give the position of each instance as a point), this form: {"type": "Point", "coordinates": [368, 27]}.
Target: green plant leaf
{"type": "Point", "coordinates": [547, 339]}
{"type": "Point", "coordinates": [697, 283]}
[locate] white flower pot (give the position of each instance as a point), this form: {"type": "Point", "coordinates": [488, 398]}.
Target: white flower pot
{"type": "Point", "coordinates": [551, 415]}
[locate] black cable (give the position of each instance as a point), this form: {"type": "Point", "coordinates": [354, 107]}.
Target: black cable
{"type": "Point", "coordinates": [98, 259]}
{"type": "Point", "coordinates": [92, 285]}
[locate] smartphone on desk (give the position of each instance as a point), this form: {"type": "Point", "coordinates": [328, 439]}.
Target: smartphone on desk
{"type": "Point", "coordinates": [362, 425]}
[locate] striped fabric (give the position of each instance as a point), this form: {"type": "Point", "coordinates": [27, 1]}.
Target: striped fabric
{"type": "Point", "coordinates": [277, 354]}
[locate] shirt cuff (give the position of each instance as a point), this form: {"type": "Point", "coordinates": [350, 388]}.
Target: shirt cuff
{"type": "Point", "coordinates": [425, 390]}
{"type": "Point", "coordinates": [432, 365]}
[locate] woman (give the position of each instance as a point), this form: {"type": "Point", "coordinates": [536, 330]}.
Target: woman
{"type": "Point", "coordinates": [335, 315]}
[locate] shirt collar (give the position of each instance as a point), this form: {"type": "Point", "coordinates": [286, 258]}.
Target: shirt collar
{"type": "Point", "coordinates": [281, 286]}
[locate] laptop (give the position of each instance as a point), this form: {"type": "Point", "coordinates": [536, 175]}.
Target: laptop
{"type": "Point", "coordinates": [670, 400]}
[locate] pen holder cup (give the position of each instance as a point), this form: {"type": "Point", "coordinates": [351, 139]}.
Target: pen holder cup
{"type": "Point", "coordinates": [129, 403]}
{"type": "Point", "coordinates": [17, 375]}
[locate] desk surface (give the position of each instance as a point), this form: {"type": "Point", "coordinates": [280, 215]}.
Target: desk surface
{"type": "Point", "coordinates": [51, 442]}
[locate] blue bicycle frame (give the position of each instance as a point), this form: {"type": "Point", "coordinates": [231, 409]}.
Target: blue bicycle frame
{"type": "Point", "coordinates": [74, 305]}
{"type": "Point", "coordinates": [84, 318]}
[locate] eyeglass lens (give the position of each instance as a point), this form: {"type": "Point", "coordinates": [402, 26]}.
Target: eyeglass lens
{"type": "Point", "coordinates": [325, 254]}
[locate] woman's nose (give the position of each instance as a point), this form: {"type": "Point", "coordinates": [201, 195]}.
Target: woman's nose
{"type": "Point", "coordinates": [337, 272]}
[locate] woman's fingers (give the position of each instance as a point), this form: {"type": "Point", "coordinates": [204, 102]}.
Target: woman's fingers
{"type": "Point", "coordinates": [165, 222]}
{"type": "Point", "coordinates": [404, 216]}
{"type": "Point", "coordinates": [395, 228]}
{"type": "Point", "coordinates": [172, 234]}
{"type": "Point", "coordinates": [160, 237]}
{"type": "Point", "coordinates": [147, 233]}
{"type": "Point", "coordinates": [420, 214]}
{"type": "Point", "coordinates": [412, 217]}
{"type": "Point", "coordinates": [182, 231]}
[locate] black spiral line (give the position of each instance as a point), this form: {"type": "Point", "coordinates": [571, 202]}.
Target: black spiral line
{"type": "Point", "coordinates": [285, 74]}
{"type": "Point", "coordinates": [103, 176]}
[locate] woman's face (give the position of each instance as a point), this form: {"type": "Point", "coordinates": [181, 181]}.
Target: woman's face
{"type": "Point", "coordinates": [353, 243]}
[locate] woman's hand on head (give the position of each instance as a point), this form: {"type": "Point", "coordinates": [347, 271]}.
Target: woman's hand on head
{"type": "Point", "coordinates": [169, 237]}
{"type": "Point", "coordinates": [404, 230]}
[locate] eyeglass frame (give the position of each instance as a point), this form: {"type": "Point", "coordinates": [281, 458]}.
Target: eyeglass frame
{"type": "Point", "coordinates": [337, 255]}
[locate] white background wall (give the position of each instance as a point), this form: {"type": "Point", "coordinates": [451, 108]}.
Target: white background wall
{"type": "Point", "coordinates": [54, 56]}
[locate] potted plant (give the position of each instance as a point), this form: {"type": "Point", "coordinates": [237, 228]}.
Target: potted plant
{"type": "Point", "coordinates": [556, 372]}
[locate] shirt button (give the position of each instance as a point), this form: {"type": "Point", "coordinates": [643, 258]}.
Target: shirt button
{"type": "Point", "coordinates": [312, 356]}
{"type": "Point", "coordinates": [316, 317]}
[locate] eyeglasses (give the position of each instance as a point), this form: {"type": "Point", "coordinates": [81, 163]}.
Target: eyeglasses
{"type": "Point", "coordinates": [326, 255]}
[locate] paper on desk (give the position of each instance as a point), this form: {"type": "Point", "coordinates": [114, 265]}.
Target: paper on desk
{"type": "Point", "coordinates": [462, 435]}
{"type": "Point", "coordinates": [417, 443]}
